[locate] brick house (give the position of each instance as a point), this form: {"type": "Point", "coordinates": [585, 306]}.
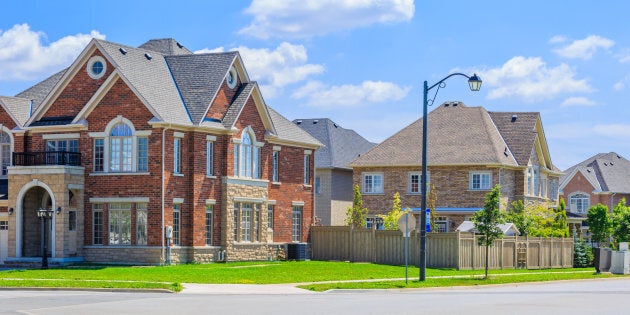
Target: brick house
{"type": "Point", "coordinates": [333, 176]}
{"type": "Point", "coordinates": [128, 145]}
{"type": "Point", "coordinates": [470, 150]}
{"type": "Point", "coordinates": [602, 178]}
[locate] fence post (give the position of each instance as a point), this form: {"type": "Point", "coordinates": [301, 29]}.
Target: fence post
{"type": "Point", "coordinates": [458, 249]}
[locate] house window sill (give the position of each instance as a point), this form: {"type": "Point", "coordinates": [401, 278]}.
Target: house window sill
{"type": "Point", "coordinates": [120, 174]}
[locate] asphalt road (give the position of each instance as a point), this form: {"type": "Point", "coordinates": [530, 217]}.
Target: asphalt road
{"type": "Point", "coordinates": [598, 297]}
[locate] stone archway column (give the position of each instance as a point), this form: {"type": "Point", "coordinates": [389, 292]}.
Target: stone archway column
{"type": "Point", "coordinates": [19, 210]}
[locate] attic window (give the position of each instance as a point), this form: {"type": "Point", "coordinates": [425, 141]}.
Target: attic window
{"type": "Point", "coordinates": [231, 78]}
{"type": "Point", "coordinates": [148, 56]}
{"type": "Point", "coordinates": [96, 67]}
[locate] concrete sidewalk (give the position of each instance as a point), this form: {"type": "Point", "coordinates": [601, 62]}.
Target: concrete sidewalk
{"type": "Point", "coordinates": [283, 289]}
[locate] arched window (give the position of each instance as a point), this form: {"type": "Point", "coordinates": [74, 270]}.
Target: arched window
{"type": "Point", "coordinates": [247, 156]}
{"type": "Point", "coordinates": [579, 203]}
{"type": "Point", "coordinates": [120, 148]}
{"type": "Point", "coordinates": [5, 151]}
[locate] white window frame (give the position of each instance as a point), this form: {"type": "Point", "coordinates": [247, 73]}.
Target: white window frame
{"type": "Point", "coordinates": [296, 223]}
{"type": "Point", "coordinates": [106, 137]}
{"type": "Point", "coordinates": [142, 221]}
{"type": "Point", "coordinates": [374, 189]}
{"type": "Point", "coordinates": [409, 182]}
{"type": "Point", "coordinates": [118, 212]}
{"type": "Point", "coordinates": [177, 224]}
{"type": "Point", "coordinates": [579, 197]}
{"type": "Point", "coordinates": [178, 138]}
{"type": "Point", "coordinates": [98, 232]}
{"type": "Point", "coordinates": [6, 151]}
{"type": "Point", "coordinates": [247, 163]}
{"type": "Point", "coordinates": [210, 155]}
{"type": "Point", "coordinates": [441, 224]}
{"type": "Point", "coordinates": [307, 167]}
{"type": "Point", "coordinates": [481, 174]}
{"type": "Point", "coordinates": [209, 223]}
{"type": "Point", "coordinates": [275, 166]}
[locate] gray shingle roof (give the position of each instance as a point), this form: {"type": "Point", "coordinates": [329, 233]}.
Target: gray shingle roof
{"type": "Point", "coordinates": [152, 80]}
{"type": "Point", "coordinates": [39, 91]}
{"type": "Point", "coordinates": [198, 78]}
{"type": "Point", "coordinates": [519, 132]}
{"type": "Point", "coordinates": [18, 108]}
{"type": "Point", "coordinates": [166, 46]}
{"type": "Point", "coordinates": [238, 103]}
{"type": "Point", "coordinates": [288, 131]}
{"type": "Point", "coordinates": [610, 172]}
{"type": "Point", "coordinates": [457, 135]}
{"type": "Point", "coordinates": [341, 145]}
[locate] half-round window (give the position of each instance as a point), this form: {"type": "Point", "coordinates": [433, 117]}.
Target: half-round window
{"type": "Point", "coordinates": [96, 67]}
{"type": "Point", "coordinates": [232, 78]}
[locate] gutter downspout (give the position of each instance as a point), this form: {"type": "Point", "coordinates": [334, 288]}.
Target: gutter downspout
{"type": "Point", "coordinates": [162, 258]}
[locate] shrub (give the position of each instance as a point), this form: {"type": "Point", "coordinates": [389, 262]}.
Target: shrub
{"type": "Point", "coordinates": [582, 254]}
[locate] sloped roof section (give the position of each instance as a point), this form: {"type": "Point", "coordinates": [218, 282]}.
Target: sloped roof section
{"type": "Point", "coordinates": [198, 78]}
{"type": "Point", "coordinates": [18, 108]}
{"type": "Point", "coordinates": [150, 76]}
{"type": "Point", "coordinates": [519, 132]}
{"type": "Point", "coordinates": [341, 145]}
{"type": "Point", "coordinates": [288, 131]}
{"type": "Point", "coordinates": [609, 171]}
{"type": "Point", "coordinates": [166, 46]}
{"type": "Point", "coordinates": [457, 135]}
{"type": "Point", "coordinates": [231, 115]}
{"type": "Point", "coordinates": [38, 92]}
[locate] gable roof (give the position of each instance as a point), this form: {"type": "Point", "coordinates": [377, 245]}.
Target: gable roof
{"type": "Point", "coordinates": [166, 46]}
{"type": "Point", "coordinates": [341, 145]}
{"type": "Point", "coordinates": [608, 172]}
{"type": "Point", "coordinates": [18, 108]}
{"type": "Point", "coordinates": [38, 92]}
{"type": "Point", "coordinates": [289, 132]}
{"type": "Point", "coordinates": [198, 78]}
{"type": "Point", "coordinates": [519, 132]}
{"type": "Point", "coordinates": [458, 135]}
{"type": "Point", "coordinates": [506, 228]}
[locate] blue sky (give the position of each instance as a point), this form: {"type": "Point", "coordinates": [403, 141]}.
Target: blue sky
{"type": "Point", "coordinates": [362, 62]}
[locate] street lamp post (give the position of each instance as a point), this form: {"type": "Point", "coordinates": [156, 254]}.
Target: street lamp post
{"type": "Point", "coordinates": [475, 84]}
{"type": "Point", "coordinates": [44, 214]}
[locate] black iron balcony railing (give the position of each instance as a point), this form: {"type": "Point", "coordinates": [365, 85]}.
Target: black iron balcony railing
{"type": "Point", "coordinates": [46, 158]}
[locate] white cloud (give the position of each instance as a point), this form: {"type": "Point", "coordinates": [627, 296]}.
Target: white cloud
{"type": "Point", "coordinates": [624, 56]}
{"type": "Point", "coordinates": [24, 55]}
{"type": "Point", "coordinates": [619, 86]}
{"type": "Point", "coordinates": [532, 80]}
{"type": "Point", "coordinates": [347, 95]}
{"type": "Point", "coordinates": [557, 39]}
{"type": "Point", "coordinates": [208, 50]}
{"type": "Point", "coordinates": [577, 101]}
{"type": "Point", "coordinates": [307, 18]}
{"type": "Point", "coordinates": [275, 68]}
{"type": "Point", "coordinates": [584, 48]}
{"type": "Point", "coordinates": [613, 130]}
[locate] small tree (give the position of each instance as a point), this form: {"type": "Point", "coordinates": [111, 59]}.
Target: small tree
{"type": "Point", "coordinates": [487, 221]}
{"type": "Point", "coordinates": [356, 215]}
{"type": "Point", "coordinates": [599, 223]}
{"type": "Point", "coordinates": [621, 222]}
{"type": "Point", "coordinates": [516, 214]}
{"type": "Point", "coordinates": [390, 220]}
{"type": "Point", "coordinates": [432, 204]}
{"type": "Point", "coordinates": [582, 254]}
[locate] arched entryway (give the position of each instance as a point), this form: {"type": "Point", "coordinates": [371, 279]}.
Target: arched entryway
{"type": "Point", "coordinates": [33, 197]}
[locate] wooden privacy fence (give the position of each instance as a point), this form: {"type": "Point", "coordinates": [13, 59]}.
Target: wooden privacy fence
{"type": "Point", "coordinates": [444, 250]}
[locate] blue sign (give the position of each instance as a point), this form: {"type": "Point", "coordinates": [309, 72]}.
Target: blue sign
{"type": "Point", "coordinates": [428, 216]}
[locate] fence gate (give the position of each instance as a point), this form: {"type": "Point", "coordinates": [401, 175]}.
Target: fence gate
{"type": "Point", "coordinates": [521, 255]}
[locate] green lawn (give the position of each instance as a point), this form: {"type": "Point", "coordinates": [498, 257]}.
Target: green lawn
{"type": "Point", "coordinates": [171, 277]}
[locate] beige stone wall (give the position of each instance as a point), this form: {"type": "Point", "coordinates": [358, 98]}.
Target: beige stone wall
{"type": "Point", "coordinates": [147, 255]}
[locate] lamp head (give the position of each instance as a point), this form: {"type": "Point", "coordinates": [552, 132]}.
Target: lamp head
{"type": "Point", "coordinates": [474, 82]}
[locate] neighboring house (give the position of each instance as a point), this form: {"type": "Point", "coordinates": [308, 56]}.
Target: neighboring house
{"type": "Point", "coordinates": [469, 151]}
{"type": "Point", "coordinates": [129, 145]}
{"type": "Point", "coordinates": [603, 178]}
{"type": "Point", "coordinates": [333, 176]}
{"type": "Point", "coordinates": [508, 229]}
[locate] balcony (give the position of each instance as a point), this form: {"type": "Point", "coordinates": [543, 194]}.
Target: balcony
{"type": "Point", "coordinates": [46, 158]}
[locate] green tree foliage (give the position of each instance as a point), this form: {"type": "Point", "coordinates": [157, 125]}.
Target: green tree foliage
{"type": "Point", "coordinates": [538, 220]}
{"type": "Point", "coordinates": [487, 221]}
{"type": "Point", "coordinates": [356, 215]}
{"type": "Point", "coordinates": [516, 215]}
{"type": "Point", "coordinates": [582, 254]}
{"type": "Point", "coordinates": [390, 220]}
{"type": "Point", "coordinates": [599, 223]}
{"type": "Point", "coordinates": [432, 204]}
{"type": "Point", "coordinates": [621, 222]}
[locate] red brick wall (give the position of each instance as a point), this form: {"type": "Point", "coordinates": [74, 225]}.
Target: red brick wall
{"type": "Point", "coordinates": [579, 183]}
{"type": "Point", "coordinates": [224, 98]}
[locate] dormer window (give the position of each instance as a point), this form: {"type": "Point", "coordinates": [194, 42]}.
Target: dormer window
{"type": "Point", "coordinates": [96, 67]}
{"type": "Point", "coordinates": [231, 78]}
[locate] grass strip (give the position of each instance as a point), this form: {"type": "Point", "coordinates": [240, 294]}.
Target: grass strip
{"type": "Point", "coordinates": [70, 283]}
{"type": "Point", "coordinates": [472, 280]}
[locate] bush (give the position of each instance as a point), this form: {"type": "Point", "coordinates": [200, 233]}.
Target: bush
{"type": "Point", "coordinates": [582, 254]}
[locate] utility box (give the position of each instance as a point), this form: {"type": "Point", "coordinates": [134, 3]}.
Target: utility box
{"type": "Point", "coordinates": [620, 260]}
{"type": "Point", "coordinates": [296, 251]}
{"type": "Point", "coordinates": [602, 259]}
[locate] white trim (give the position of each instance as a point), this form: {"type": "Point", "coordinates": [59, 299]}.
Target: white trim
{"type": "Point", "coordinates": [97, 134]}
{"type": "Point", "coordinates": [211, 202]}
{"type": "Point", "coordinates": [297, 203]}
{"type": "Point", "coordinates": [470, 180]}
{"type": "Point", "coordinates": [271, 202]}
{"type": "Point", "coordinates": [178, 134]}
{"type": "Point", "coordinates": [277, 148]}
{"type": "Point", "coordinates": [211, 138]}
{"type": "Point", "coordinates": [308, 152]}
{"type": "Point", "coordinates": [76, 187]}
{"type": "Point", "coordinates": [142, 133]}
{"type": "Point", "coordinates": [91, 62]}
{"type": "Point", "coordinates": [248, 199]}
{"type": "Point", "coordinates": [178, 200]}
{"type": "Point", "coordinates": [58, 136]}
{"type": "Point", "coordinates": [381, 191]}
{"type": "Point", "coordinates": [419, 173]}
{"type": "Point", "coordinates": [119, 200]}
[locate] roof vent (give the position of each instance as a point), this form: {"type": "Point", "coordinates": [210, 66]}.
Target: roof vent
{"type": "Point", "coordinates": [455, 104]}
{"type": "Point", "coordinates": [588, 170]}
{"type": "Point", "coordinates": [514, 118]}
{"type": "Point", "coordinates": [335, 124]}
{"type": "Point", "coordinates": [505, 152]}
{"type": "Point", "coordinates": [447, 104]}
{"type": "Point", "coordinates": [315, 121]}
{"type": "Point", "coordinates": [298, 122]}
{"type": "Point", "coordinates": [611, 163]}
{"type": "Point", "coordinates": [148, 56]}
{"type": "Point", "coordinates": [605, 164]}
{"type": "Point", "coordinates": [180, 45]}
{"type": "Point", "coordinates": [122, 51]}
